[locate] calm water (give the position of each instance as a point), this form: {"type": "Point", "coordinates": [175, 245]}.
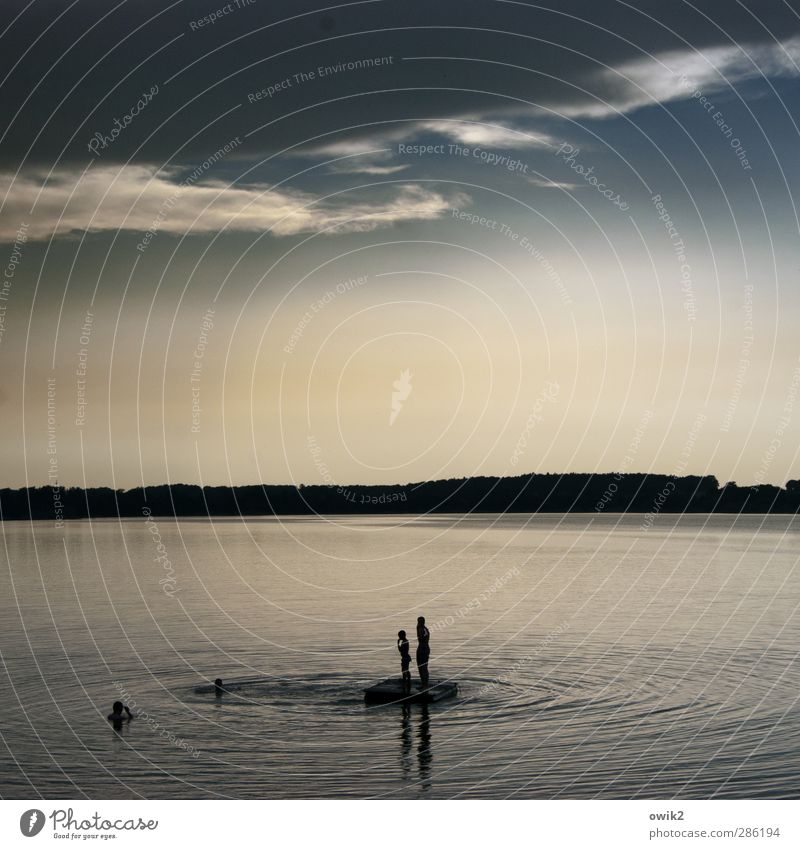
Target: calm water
{"type": "Point", "coordinates": [595, 659]}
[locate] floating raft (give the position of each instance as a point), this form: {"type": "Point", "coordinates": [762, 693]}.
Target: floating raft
{"type": "Point", "coordinates": [391, 691]}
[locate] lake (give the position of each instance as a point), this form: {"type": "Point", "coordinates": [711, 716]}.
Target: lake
{"type": "Point", "coordinates": [597, 657]}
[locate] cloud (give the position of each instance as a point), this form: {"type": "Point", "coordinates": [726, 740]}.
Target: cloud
{"type": "Point", "coordinates": [468, 130]}
{"type": "Point", "coordinates": [140, 197]}
{"type": "Point", "coordinates": [619, 89]}
{"type": "Point", "coordinates": [676, 74]}
{"type": "Point", "coordinates": [449, 59]}
{"type": "Point", "coordinates": [372, 164]}
{"type": "Point", "coordinates": [476, 133]}
{"type": "Point", "coordinates": [372, 170]}
{"type": "Point", "coordinates": [552, 184]}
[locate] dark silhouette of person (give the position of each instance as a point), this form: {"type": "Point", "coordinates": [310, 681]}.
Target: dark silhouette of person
{"type": "Point", "coordinates": [218, 688]}
{"type": "Point", "coordinates": [120, 713]}
{"type": "Point", "coordinates": [423, 650]}
{"type": "Point", "coordinates": [405, 660]}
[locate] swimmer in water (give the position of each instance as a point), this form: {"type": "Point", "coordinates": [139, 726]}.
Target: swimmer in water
{"type": "Point", "coordinates": [119, 713]}
{"type": "Point", "coordinates": [405, 660]}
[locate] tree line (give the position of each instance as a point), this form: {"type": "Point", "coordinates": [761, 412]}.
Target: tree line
{"type": "Point", "coordinates": [558, 493]}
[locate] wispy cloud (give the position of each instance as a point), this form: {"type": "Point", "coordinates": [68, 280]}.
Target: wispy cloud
{"type": "Point", "coordinates": [476, 133]}
{"type": "Point", "coordinates": [375, 165]}
{"type": "Point", "coordinates": [471, 131]}
{"type": "Point", "coordinates": [657, 79]}
{"type": "Point", "coordinates": [373, 170]}
{"type": "Point", "coordinates": [132, 197]}
{"type": "Point", "coordinates": [552, 184]}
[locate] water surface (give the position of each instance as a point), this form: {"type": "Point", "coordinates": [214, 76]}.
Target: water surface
{"type": "Point", "coordinates": [595, 657]}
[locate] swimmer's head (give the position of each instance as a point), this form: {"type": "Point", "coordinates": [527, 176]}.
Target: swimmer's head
{"type": "Point", "coordinates": [401, 635]}
{"type": "Point", "coordinates": [421, 620]}
{"type": "Point", "coordinates": [118, 707]}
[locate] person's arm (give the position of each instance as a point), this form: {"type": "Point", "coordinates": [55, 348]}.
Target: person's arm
{"type": "Point", "coordinates": [128, 711]}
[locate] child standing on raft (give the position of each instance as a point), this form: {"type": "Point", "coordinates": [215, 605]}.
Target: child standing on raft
{"type": "Point", "coordinates": [405, 659]}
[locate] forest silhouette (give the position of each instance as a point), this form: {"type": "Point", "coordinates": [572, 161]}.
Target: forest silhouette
{"type": "Point", "coordinates": [532, 493]}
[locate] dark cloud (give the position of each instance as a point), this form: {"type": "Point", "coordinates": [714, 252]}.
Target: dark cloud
{"type": "Point", "coordinates": [73, 71]}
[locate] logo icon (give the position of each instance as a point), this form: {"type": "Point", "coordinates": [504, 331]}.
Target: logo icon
{"type": "Point", "coordinates": [402, 389]}
{"type": "Point", "coordinates": [31, 822]}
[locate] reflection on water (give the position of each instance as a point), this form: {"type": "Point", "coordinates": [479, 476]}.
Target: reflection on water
{"type": "Point", "coordinates": [405, 743]}
{"type": "Point", "coordinates": [424, 755]}
{"type": "Point", "coordinates": [424, 750]}
{"type": "Point", "coordinates": [593, 659]}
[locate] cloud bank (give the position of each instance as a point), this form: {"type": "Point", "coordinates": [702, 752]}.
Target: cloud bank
{"type": "Point", "coordinates": [135, 197]}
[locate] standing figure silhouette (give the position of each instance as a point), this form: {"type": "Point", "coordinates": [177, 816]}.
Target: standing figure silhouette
{"type": "Point", "coordinates": [405, 660]}
{"type": "Point", "coordinates": [423, 650]}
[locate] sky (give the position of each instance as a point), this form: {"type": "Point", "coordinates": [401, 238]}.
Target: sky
{"type": "Point", "coordinates": [382, 242]}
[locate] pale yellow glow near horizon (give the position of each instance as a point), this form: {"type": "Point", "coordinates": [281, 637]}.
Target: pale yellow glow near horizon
{"type": "Point", "coordinates": [505, 378]}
